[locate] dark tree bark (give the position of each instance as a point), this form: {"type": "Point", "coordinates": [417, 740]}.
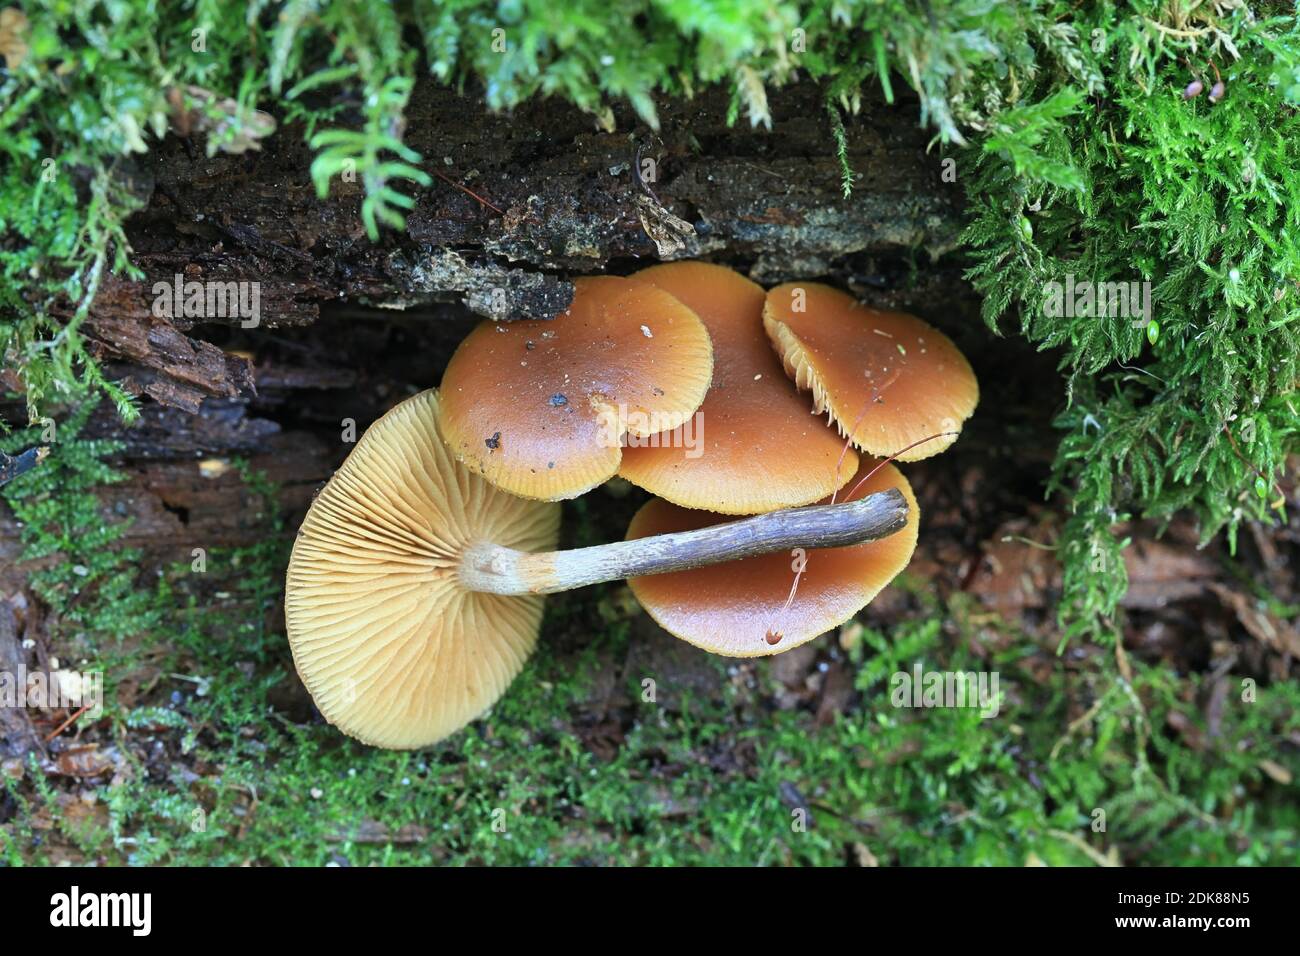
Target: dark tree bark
{"type": "Point", "coordinates": [17, 736]}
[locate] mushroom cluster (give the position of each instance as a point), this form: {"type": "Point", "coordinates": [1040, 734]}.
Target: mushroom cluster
{"type": "Point", "coordinates": [414, 592]}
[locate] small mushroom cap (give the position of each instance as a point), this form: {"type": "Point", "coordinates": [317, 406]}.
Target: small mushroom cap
{"type": "Point", "coordinates": [731, 608]}
{"type": "Point", "coordinates": [890, 373]}
{"type": "Point", "coordinates": [540, 408]}
{"type": "Point", "coordinates": [753, 446]}
{"type": "Point", "coordinates": [394, 650]}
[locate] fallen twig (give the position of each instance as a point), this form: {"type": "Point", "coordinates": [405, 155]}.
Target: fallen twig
{"type": "Point", "coordinates": [66, 724]}
{"type": "Point", "coordinates": [12, 467]}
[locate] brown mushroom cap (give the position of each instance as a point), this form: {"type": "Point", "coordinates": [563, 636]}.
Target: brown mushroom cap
{"type": "Point", "coordinates": [539, 407]}
{"type": "Point", "coordinates": [890, 373]}
{"type": "Point", "coordinates": [753, 446]}
{"type": "Point", "coordinates": [729, 608]}
{"type": "Point", "coordinates": [394, 650]}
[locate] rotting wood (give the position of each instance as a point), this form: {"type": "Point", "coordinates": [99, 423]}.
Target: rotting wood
{"type": "Point", "coordinates": [17, 736]}
{"type": "Point", "coordinates": [348, 327]}
{"type": "Point", "coordinates": [572, 204]}
{"type": "Point", "coordinates": [13, 466]}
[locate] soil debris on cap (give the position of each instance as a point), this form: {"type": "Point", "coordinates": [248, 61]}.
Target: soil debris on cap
{"type": "Point", "coordinates": [595, 365]}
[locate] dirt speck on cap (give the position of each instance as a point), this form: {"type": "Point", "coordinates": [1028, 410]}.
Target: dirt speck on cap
{"type": "Point", "coordinates": [494, 442]}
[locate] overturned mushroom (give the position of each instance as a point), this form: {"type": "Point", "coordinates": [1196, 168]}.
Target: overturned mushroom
{"type": "Point", "coordinates": [395, 651]}
{"type": "Point", "coordinates": [540, 408]}
{"type": "Point", "coordinates": [748, 608]}
{"type": "Point", "coordinates": [752, 446]}
{"type": "Point", "coordinates": [887, 379]}
{"type": "Point", "coordinates": [414, 590]}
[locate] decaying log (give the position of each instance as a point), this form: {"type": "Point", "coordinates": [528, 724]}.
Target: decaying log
{"type": "Point", "coordinates": [520, 204]}
{"type": "Point", "coordinates": [17, 736]}
{"type": "Point", "coordinates": [13, 466]}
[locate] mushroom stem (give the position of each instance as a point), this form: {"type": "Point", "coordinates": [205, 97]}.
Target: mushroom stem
{"type": "Point", "coordinates": [494, 569]}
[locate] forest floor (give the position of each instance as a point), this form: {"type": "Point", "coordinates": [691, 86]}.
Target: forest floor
{"type": "Point", "coordinates": [1179, 746]}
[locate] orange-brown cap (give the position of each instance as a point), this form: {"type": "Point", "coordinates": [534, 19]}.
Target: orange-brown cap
{"type": "Point", "coordinates": [393, 648]}
{"type": "Point", "coordinates": [738, 609]}
{"type": "Point", "coordinates": [540, 408]}
{"type": "Point", "coordinates": [753, 446]}
{"type": "Point", "coordinates": [885, 377]}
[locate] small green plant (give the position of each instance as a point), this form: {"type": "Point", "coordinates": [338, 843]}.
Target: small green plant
{"type": "Point", "coordinates": [93, 588]}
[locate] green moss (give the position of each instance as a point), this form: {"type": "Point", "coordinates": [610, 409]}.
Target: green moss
{"type": "Point", "coordinates": [936, 787]}
{"type": "Point", "coordinates": [713, 779]}
{"type": "Point", "coordinates": [1197, 408]}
